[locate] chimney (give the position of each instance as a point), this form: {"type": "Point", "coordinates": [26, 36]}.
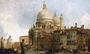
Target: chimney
{"type": "Point", "coordinates": [82, 26]}
{"type": "Point", "coordinates": [64, 27]}
{"type": "Point", "coordinates": [71, 27]}
{"type": "Point", "coordinates": [75, 25]}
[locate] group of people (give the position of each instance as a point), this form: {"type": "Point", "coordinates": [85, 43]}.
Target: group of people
{"type": "Point", "coordinates": [8, 51]}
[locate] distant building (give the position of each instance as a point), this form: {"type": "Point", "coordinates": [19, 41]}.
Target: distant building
{"type": "Point", "coordinates": [16, 45]}
{"type": "Point", "coordinates": [26, 39]}
{"type": "Point", "coordinates": [71, 38]}
{"type": "Point", "coordinates": [60, 38]}
{"type": "Point", "coordinates": [1, 42]}
{"type": "Point", "coordinates": [88, 40]}
{"type": "Point", "coordinates": [9, 42]}
{"type": "Point", "coordinates": [5, 43]}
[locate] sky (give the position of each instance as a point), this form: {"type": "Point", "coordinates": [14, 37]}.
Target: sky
{"type": "Point", "coordinates": [18, 16]}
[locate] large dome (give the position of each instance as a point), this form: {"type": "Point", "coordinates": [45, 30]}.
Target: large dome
{"type": "Point", "coordinates": [44, 14]}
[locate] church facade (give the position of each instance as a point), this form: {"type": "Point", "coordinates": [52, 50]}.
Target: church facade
{"type": "Point", "coordinates": [46, 23]}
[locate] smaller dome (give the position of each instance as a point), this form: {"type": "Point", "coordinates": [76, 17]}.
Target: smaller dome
{"type": "Point", "coordinates": [57, 20]}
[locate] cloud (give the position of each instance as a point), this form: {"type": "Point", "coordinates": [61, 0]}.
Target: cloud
{"type": "Point", "coordinates": [11, 19]}
{"type": "Point", "coordinates": [17, 16]}
{"type": "Point", "coordinates": [10, 25]}
{"type": "Point", "coordinates": [85, 19]}
{"type": "Point", "coordinates": [2, 33]}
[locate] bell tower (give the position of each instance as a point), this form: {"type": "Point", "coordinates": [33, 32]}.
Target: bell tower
{"type": "Point", "coordinates": [61, 22]}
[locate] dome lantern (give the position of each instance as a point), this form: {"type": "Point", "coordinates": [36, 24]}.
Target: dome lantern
{"type": "Point", "coordinates": [44, 5]}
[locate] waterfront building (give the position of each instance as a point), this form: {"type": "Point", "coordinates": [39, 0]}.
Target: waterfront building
{"type": "Point", "coordinates": [49, 32]}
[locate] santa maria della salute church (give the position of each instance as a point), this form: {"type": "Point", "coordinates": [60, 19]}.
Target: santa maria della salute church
{"type": "Point", "coordinates": [49, 32]}
{"type": "Point", "coordinates": [46, 23]}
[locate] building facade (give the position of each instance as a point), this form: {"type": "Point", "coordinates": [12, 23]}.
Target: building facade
{"type": "Point", "coordinates": [25, 38]}
{"type": "Point", "coordinates": [46, 23]}
{"type": "Point", "coordinates": [9, 42]}
{"type": "Point", "coordinates": [49, 32]}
